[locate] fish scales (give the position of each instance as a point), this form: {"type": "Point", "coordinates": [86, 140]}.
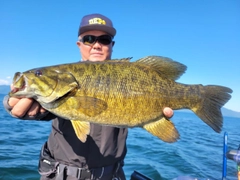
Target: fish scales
{"type": "Point", "coordinates": [118, 93]}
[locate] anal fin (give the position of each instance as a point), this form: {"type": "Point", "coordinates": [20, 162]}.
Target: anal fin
{"type": "Point", "coordinates": [82, 129]}
{"type": "Point", "coordinates": [163, 129]}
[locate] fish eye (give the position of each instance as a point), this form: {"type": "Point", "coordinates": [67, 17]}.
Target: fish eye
{"type": "Point", "coordinates": [38, 72]}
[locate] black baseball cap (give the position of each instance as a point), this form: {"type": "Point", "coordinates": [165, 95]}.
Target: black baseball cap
{"type": "Point", "coordinates": [96, 22]}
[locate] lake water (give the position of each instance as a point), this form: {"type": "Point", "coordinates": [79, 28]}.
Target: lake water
{"type": "Point", "coordinates": [198, 154]}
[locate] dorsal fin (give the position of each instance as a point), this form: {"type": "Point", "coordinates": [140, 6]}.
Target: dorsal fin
{"type": "Point", "coordinates": [119, 60]}
{"type": "Point", "coordinates": [163, 65]}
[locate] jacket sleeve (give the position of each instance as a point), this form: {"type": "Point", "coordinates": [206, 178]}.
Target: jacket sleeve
{"type": "Point", "coordinates": [46, 116]}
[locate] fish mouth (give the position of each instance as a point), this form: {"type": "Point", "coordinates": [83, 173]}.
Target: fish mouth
{"type": "Point", "coordinates": [16, 89]}
{"type": "Point", "coordinates": [19, 83]}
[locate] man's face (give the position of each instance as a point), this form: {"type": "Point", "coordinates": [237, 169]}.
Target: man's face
{"type": "Point", "coordinates": [95, 51]}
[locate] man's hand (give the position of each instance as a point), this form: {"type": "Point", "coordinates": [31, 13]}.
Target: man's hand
{"type": "Point", "coordinates": [21, 107]}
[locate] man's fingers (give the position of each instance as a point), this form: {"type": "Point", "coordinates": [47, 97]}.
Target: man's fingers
{"type": "Point", "coordinates": [13, 101]}
{"type": "Point", "coordinates": [168, 112]}
{"type": "Point", "coordinates": [21, 107]}
{"type": "Point", "coordinates": [34, 109]}
{"type": "Point", "coordinates": [42, 110]}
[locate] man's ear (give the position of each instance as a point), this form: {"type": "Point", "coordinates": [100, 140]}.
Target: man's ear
{"type": "Point", "coordinates": [113, 43]}
{"type": "Point", "coordinates": [78, 43]}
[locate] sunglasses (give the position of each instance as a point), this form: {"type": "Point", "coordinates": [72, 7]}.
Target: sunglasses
{"type": "Point", "coordinates": [90, 39]}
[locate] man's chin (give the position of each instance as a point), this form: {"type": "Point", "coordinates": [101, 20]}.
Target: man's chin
{"type": "Point", "coordinates": [97, 58]}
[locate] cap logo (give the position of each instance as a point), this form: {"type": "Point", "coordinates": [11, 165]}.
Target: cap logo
{"type": "Point", "coordinates": [97, 21]}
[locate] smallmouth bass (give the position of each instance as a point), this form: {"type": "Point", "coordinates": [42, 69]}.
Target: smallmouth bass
{"type": "Point", "coordinates": [121, 93]}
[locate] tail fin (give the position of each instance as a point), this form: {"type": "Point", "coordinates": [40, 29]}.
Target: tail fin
{"type": "Point", "coordinates": [209, 111]}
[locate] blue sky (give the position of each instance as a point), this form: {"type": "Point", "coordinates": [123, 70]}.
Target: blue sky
{"type": "Point", "coordinates": [202, 34]}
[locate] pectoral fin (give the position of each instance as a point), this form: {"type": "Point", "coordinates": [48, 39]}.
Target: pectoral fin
{"type": "Point", "coordinates": [82, 129]}
{"type": "Point", "coordinates": [163, 129]}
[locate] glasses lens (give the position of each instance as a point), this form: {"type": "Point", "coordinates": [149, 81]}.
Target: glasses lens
{"type": "Point", "coordinates": [104, 39]}
{"type": "Point", "coordinates": [90, 39]}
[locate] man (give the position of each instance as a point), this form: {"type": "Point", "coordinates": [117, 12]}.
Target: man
{"type": "Point", "coordinates": [63, 156]}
